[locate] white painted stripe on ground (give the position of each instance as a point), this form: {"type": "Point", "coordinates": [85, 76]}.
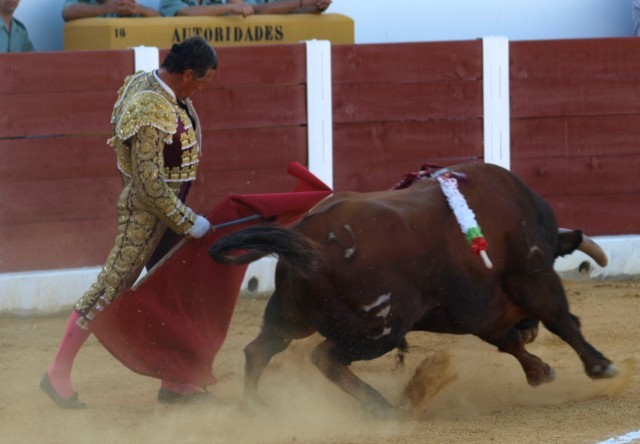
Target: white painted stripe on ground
{"type": "Point", "coordinates": [623, 439]}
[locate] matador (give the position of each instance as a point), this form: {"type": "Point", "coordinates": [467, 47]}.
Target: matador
{"type": "Point", "coordinates": [156, 139]}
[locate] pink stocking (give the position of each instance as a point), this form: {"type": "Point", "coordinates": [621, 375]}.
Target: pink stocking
{"type": "Point", "coordinates": [60, 370]}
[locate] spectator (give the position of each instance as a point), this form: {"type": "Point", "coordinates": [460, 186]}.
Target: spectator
{"type": "Point", "coordinates": [13, 35]}
{"type": "Point", "coordinates": [77, 9]}
{"type": "Point", "coordinates": [287, 6]}
{"type": "Point", "coordinates": [169, 8]}
{"type": "Point", "coordinates": [636, 17]}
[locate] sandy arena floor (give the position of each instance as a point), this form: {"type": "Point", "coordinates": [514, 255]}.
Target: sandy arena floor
{"type": "Point", "coordinates": [488, 401]}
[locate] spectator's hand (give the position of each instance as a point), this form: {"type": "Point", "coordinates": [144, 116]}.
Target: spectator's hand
{"type": "Point", "coordinates": [322, 5]}
{"type": "Point", "coordinates": [125, 8]}
{"type": "Point", "coordinates": [241, 9]}
{"type": "Point", "coordinates": [113, 5]}
{"type": "Point", "coordinates": [315, 5]}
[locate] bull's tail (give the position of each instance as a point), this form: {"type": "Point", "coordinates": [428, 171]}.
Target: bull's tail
{"type": "Point", "coordinates": [296, 250]}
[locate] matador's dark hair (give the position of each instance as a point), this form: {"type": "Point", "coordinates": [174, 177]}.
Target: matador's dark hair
{"type": "Point", "coordinates": [193, 53]}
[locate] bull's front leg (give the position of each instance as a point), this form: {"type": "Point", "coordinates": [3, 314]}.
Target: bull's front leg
{"type": "Point", "coordinates": [536, 370]}
{"type": "Point", "coordinates": [596, 365]}
{"type": "Point", "coordinates": [324, 357]}
{"type": "Point", "coordinates": [543, 296]}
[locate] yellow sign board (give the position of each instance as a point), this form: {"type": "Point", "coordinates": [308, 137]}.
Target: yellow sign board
{"type": "Point", "coordinates": [162, 32]}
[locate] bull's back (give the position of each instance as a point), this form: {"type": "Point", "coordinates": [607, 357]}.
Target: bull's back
{"type": "Point", "coordinates": [417, 223]}
{"type": "Point", "coordinates": [386, 220]}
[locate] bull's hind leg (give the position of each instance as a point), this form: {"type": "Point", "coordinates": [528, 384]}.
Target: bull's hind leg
{"type": "Point", "coordinates": [275, 336]}
{"type": "Point", "coordinates": [334, 367]}
{"type": "Point", "coordinates": [257, 354]}
{"type": "Point", "coordinates": [543, 297]}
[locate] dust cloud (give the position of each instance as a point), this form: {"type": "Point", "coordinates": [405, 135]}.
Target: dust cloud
{"type": "Point", "coordinates": [456, 389]}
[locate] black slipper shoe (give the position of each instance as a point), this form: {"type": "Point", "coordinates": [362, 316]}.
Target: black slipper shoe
{"type": "Point", "coordinates": [71, 402]}
{"type": "Point", "coordinates": [168, 397]}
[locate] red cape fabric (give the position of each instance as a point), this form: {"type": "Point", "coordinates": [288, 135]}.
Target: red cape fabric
{"type": "Point", "coordinates": [173, 322]}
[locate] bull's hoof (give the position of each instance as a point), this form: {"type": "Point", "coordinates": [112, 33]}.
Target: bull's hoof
{"type": "Point", "coordinates": [386, 412]}
{"type": "Point", "coordinates": [253, 406]}
{"type": "Point", "coordinates": [548, 374]}
{"type": "Point", "coordinates": [601, 372]}
{"type": "Point", "coordinates": [168, 397]}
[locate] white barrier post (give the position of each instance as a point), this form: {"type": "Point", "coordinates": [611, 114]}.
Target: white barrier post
{"type": "Point", "coordinates": [319, 110]}
{"type": "Point", "coordinates": [495, 75]}
{"type": "Point", "coordinates": [146, 58]}
{"type": "Point", "coordinates": [259, 275]}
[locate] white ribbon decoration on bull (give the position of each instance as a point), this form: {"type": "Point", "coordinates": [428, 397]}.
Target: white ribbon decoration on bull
{"type": "Point", "coordinates": [464, 215]}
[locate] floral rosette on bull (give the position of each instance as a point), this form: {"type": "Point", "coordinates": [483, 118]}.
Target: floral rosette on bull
{"type": "Point", "coordinates": [464, 215]}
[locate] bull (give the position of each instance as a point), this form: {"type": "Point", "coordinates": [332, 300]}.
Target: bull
{"type": "Point", "coordinates": [364, 269]}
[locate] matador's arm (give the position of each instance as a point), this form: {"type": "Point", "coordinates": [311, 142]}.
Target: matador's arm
{"type": "Point", "coordinates": [147, 164]}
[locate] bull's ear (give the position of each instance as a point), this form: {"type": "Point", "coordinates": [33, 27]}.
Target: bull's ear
{"type": "Point", "coordinates": [568, 241]}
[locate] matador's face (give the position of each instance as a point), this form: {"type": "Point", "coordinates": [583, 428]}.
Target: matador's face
{"type": "Point", "coordinates": [191, 83]}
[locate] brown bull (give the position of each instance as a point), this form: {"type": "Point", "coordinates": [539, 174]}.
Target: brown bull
{"type": "Point", "coordinates": [364, 269]}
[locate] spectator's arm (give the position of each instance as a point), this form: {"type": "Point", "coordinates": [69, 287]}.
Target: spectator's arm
{"type": "Point", "coordinates": [145, 11]}
{"type": "Point", "coordinates": [217, 10]}
{"type": "Point", "coordinates": [80, 10]}
{"type": "Point", "coordinates": [28, 46]}
{"type": "Point", "coordinates": [169, 8]}
{"type": "Point", "coordinates": [131, 8]}
{"type": "Point", "coordinates": [293, 7]}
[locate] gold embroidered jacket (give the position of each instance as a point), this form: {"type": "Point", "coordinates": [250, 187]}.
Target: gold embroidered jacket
{"type": "Point", "coordinates": [157, 148]}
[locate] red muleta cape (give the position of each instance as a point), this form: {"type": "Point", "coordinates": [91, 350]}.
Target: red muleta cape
{"type": "Point", "coordinates": [173, 322]}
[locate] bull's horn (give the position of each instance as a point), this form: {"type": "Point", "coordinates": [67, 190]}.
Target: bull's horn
{"type": "Point", "coordinates": [589, 247]}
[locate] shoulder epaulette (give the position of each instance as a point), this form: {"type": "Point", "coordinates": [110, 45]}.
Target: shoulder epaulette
{"type": "Point", "coordinates": [147, 108]}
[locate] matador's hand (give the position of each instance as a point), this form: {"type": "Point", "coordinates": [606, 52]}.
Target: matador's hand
{"type": "Point", "coordinates": [200, 228]}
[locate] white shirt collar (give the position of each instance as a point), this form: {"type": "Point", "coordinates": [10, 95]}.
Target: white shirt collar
{"type": "Point", "coordinates": [164, 85]}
